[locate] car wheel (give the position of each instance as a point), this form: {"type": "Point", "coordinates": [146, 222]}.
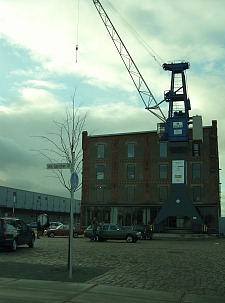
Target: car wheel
{"type": "Point", "coordinates": [75, 235]}
{"type": "Point", "coordinates": [129, 238]}
{"type": "Point", "coordinates": [13, 246]}
{"type": "Point", "coordinates": [31, 243]}
{"type": "Point", "coordinates": [52, 235]}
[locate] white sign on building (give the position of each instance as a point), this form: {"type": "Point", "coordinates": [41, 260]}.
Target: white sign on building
{"type": "Point", "coordinates": [178, 171]}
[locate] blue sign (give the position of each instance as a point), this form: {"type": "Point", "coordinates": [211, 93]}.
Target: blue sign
{"type": "Point", "coordinates": [74, 180]}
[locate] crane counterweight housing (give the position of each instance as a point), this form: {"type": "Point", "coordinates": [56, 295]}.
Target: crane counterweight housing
{"type": "Point", "coordinates": [173, 129]}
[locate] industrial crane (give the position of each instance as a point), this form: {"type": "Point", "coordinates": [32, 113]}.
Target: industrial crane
{"type": "Point", "coordinates": [173, 129]}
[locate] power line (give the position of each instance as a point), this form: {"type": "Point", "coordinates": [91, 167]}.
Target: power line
{"type": "Point", "coordinates": [134, 33]}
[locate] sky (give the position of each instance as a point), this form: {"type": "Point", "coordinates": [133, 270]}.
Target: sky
{"type": "Point", "coordinates": [41, 70]}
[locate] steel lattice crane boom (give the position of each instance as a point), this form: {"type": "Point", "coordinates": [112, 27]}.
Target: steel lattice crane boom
{"type": "Point", "coordinates": [142, 87]}
{"type": "Point", "coordinates": [173, 129]}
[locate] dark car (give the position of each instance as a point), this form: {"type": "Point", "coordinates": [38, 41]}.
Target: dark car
{"type": "Point", "coordinates": [8, 235]}
{"type": "Point", "coordinates": [64, 230]}
{"type": "Point", "coordinates": [32, 224]}
{"type": "Point", "coordinates": [113, 232]}
{"type": "Point", "coordinates": [15, 232]}
{"type": "Point", "coordinates": [145, 230]}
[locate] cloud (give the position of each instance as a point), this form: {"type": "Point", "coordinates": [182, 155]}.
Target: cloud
{"type": "Point", "coordinates": [12, 154]}
{"type": "Point", "coordinates": [41, 67]}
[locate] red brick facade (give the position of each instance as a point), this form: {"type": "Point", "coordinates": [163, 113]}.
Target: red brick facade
{"type": "Point", "coordinates": [127, 188]}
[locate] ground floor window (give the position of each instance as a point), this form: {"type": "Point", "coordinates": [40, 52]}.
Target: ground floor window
{"type": "Point", "coordinates": [128, 216]}
{"type": "Point", "coordinates": [125, 216]}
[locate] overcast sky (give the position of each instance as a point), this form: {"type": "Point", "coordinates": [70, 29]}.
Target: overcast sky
{"type": "Point", "coordinates": [40, 68]}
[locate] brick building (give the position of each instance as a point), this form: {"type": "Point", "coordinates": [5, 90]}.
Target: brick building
{"type": "Point", "coordinates": [127, 178]}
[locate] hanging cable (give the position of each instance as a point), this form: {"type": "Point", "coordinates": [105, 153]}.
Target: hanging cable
{"type": "Point", "coordinates": [78, 17]}
{"type": "Point", "coordinates": [151, 52]}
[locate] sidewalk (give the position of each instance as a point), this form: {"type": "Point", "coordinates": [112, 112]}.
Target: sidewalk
{"type": "Point", "coordinates": [36, 291]}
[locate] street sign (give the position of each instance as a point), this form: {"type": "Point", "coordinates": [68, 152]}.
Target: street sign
{"type": "Point", "coordinates": [58, 166]}
{"type": "Point", "coordinates": [74, 180]}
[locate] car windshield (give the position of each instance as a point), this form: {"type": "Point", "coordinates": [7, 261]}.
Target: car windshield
{"type": "Point", "coordinates": [9, 221]}
{"type": "Point", "coordinates": [10, 227]}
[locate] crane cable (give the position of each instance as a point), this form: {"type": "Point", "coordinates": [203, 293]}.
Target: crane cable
{"type": "Point", "coordinates": [78, 17]}
{"type": "Point", "coordinates": [125, 23]}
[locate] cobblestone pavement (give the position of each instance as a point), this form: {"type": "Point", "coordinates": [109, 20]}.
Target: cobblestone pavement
{"type": "Point", "coordinates": [193, 266]}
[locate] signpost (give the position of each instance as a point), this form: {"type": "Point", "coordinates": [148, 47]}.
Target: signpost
{"type": "Point", "coordinates": [74, 181]}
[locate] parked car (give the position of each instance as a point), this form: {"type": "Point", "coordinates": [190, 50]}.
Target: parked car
{"type": "Point", "coordinates": [15, 232]}
{"type": "Point", "coordinates": [146, 231]}
{"type": "Point", "coordinates": [113, 232]}
{"type": "Point", "coordinates": [33, 224]}
{"type": "Point", "coordinates": [64, 230]}
{"type": "Point", "coordinates": [53, 225]}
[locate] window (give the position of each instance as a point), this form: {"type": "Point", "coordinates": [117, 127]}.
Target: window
{"type": "Point", "coordinates": [105, 227]}
{"type": "Point", "coordinates": [130, 150]}
{"type": "Point", "coordinates": [100, 151]}
{"type": "Point", "coordinates": [163, 171]}
{"type": "Point", "coordinates": [130, 193]}
{"type": "Point", "coordinates": [196, 170]}
{"type": "Point", "coordinates": [113, 227]}
{"type": "Point", "coordinates": [196, 190]}
{"type": "Point", "coordinates": [195, 149]}
{"type": "Point", "coordinates": [100, 194]}
{"type": "Point", "coordinates": [163, 149]}
{"type": "Point", "coordinates": [130, 171]}
{"type": "Point", "coordinates": [163, 193]}
{"type": "Point", "coordinates": [100, 172]}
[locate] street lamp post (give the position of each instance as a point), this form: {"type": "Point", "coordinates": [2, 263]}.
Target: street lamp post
{"type": "Point", "coordinates": [14, 203]}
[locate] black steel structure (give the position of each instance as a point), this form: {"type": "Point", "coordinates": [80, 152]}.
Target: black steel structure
{"type": "Point", "coordinates": [173, 129]}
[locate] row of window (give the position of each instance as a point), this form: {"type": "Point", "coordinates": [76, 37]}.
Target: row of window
{"type": "Point", "coordinates": [131, 150]}
{"type": "Point", "coordinates": [196, 171]}
{"type": "Point", "coordinates": [163, 193]}
{"type": "Point", "coordinates": [196, 193]}
{"type": "Point", "coordinates": [163, 171]}
{"type": "Point", "coordinates": [101, 150]}
{"type": "Point", "coordinates": [100, 171]}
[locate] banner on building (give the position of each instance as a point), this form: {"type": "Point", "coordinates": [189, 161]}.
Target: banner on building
{"type": "Point", "coordinates": [178, 171]}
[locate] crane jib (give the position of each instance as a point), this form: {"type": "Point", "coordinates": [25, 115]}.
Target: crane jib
{"type": "Point", "coordinates": [139, 82]}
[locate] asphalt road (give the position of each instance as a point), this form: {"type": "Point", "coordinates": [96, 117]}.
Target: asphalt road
{"type": "Point", "coordinates": [194, 266]}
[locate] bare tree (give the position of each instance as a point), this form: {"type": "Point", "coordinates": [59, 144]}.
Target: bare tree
{"type": "Point", "coordinates": [64, 145]}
